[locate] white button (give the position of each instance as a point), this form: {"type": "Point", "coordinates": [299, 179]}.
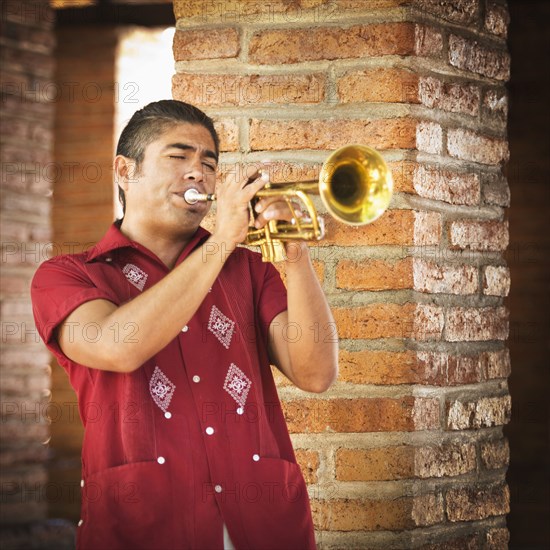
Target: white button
{"type": "Point", "coordinates": [161, 460]}
{"type": "Point", "coordinates": [240, 410]}
{"type": "Point", "coordinates": [209, 430]}
{"type": "Point", "coordinates": [185, 328]}
{"type": "Point", "coordinates": [80, 522]}
{"type": "Point", "coordinates": [255, 458]}
{"type": "Point", "coordinates": [82, 483]}
{"type": "Point", "coordinates": [218, 488]}
{"type": "Point", "coordinates": [167, 414]}
{"type": "Point", "coordinates": [196, 379]}
{"type": "Point", "coordinates": [108, 259]}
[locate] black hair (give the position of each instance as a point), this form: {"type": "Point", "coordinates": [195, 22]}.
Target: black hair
{"type": "Point", "coordinates": [151, 121]}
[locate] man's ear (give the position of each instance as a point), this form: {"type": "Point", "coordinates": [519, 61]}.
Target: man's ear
{"type": "Point", "coordinates": [125, 170]}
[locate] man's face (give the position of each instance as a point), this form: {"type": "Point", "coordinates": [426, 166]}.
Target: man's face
{"type": "Point", "coordinates": [180, 158]}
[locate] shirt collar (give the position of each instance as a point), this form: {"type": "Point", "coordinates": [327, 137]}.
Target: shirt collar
{"type": "Point", "coordinates": [115, 239]}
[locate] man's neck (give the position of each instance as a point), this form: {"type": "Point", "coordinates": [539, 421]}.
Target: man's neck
{"type": "Point", "coordinates": [167, 247]}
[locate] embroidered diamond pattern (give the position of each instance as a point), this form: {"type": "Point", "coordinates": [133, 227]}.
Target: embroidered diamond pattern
{"type": "Point", "coordinates": [161, 388]}
{"type": "Point", "coordinates": [237, 384]}
{"type": "Point", "coordinates": [221, 326]}
{"type": "Point", "coordinates": [135, 275]}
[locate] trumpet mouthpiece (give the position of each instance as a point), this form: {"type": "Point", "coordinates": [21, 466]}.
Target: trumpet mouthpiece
{"type": "Point", "coordinates": [192, 196]}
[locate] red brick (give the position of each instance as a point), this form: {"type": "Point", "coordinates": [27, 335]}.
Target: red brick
{"type": "Point", "coordinates": [475, 503]}
{"type": "Point", "coordinates": [394, 227]}
{"type": "Point", "coordinates": [214, 44]}
{"type": "Point", "coordinates": [404, 461]}
{"type": "Point", "coordinates": [249, 90]}
{"type": "Point", "coordinates": [228, 132]}
{"type": "Point", "coordinates": [373, 515]}
{"type": "Point", "coordinates": [379, 85]}
{"type": "Point", "coordinates": [468, 145]}
{"type": "Point", "coordinates": [280, 135]}
{"type": "Point", "coordinates": [442, 184]}
{"type": "Point", "coordinates": [450, 96]}
{"type": "Point", "coordinates": [272, 47]}
{"type": "Point", "coordinates": [362, 415]}
{"type": "Point", "coordinates": [429, 137]}
{"type": "Point", "coordinates": [471, 56]}
{"type": "Point", "coordinates": [496, 280]}
{"type": "Point", "coordinates": [474, 235]}
{"type": "Point", "coordinates": [483, 413]}
{"type": "Point", "coordinates": [444, 279]}
{"type": "Point", "coordinates": [309, 463]}
{"type": "Point", "coordinates": [465, 324]}
{"type": "Point", "coordinates": [388, 320]}
{"type": "Point", "coordinates": [374, 274]}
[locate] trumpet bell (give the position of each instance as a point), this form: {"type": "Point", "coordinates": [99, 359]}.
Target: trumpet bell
{"type": "Point", "coordinates": [355, 184]}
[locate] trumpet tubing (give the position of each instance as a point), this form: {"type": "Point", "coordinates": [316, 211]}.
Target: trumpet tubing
{"type": "Point", "coordinates": [355, 186]}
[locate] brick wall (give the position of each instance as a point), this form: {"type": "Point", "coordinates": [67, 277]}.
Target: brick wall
{"type": "Point", "coordinates": [28, 42]}
{"type": "Point", "coordinates": [407, 449]}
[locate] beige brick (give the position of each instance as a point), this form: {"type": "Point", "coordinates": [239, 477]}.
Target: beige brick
{"type": "Point", "coordinates": [476, 324]}
{"type": "Point", "coordinates": [496, 280]}
{"type": "Point", "coordinates": [272, 47]}
{"type": "Point", "coordinates": [463, 12]}
{"type": "Point", "coordinates": [469, 55]}
{"type": "Point", "coordinates": [362, 415]}
{"type": "Point", "coordinates": [384, 463]}
{"type": "Point", "coordinates": [474, 235]}
{"type": "Point", "coordinates": [450, 96]}
{"type": "Point", "coordinates": [483, 413]}
{"type": "Point", "coordinates": [445, 460]}
{"type": "Point", "coordinates": [444, 369]}
{"type": "Point", "coordinates": [440, 183]}
{"type": "Point", "coordinates": [468, 145]}
{"type": "Point", "coordinates": [429, 137]}
{"type": "Point", "coordinates": [250, 90]}
{"type": "Point", "coordinates": [496, 364]}
{"type": "Point", "coordinates": [497, 19]}
{"type": "Point", "coordinates": [280, 135]}
{"type": "Point", "coordinates": [428, 41]}
{"type": "Point", "coordinates": [379, 85]}
{"type": "Point", "coordinates": [220, 43]}
{"type": "Point", "coordinates": [495, 454]}
{"type": "Point", "coordinates": [444, 279]}
{"type": "Point", "coordinates": [374, 274]}
{"type": "Point", "coordinates": [475, 503]}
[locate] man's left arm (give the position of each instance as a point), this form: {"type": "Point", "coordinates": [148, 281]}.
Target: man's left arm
{"type": "Point", "coordinates": [303, 340]}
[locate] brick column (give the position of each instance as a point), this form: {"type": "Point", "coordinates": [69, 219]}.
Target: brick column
{"type": "Point", "coordinates": [27, 41]}
{"type": "Point", "coordinates": [407, 449]}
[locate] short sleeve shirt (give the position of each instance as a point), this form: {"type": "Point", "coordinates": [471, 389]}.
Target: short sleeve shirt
{"type": "Point", "coordinates": [195, 437]}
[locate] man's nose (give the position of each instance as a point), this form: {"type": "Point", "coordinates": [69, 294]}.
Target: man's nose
{"type": "Point", "coordinates": [194, 171]}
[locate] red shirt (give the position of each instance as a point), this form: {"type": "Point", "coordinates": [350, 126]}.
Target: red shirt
{"type": "Point", "coordinates": [195, 437]}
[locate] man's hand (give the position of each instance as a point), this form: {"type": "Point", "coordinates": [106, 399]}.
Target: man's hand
{"type": "Point", "coordinates": [233, 196]}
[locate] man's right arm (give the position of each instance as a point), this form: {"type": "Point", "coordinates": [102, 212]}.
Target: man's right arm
{"type": "Point", "coordinates": [159, 313]}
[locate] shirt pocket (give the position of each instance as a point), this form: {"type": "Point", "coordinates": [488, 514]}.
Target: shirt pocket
{"type": "Point", "coordinates": [131, 506]}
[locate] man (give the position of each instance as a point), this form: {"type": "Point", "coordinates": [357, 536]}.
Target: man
{"type": "Point", "coordinates": [167, 333]}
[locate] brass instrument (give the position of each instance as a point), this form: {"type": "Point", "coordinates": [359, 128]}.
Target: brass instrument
{"type": "Point", "coordinates": [354, 184]}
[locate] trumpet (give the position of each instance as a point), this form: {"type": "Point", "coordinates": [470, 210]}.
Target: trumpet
{"type": "Point", "coordinates": [355, 186]}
